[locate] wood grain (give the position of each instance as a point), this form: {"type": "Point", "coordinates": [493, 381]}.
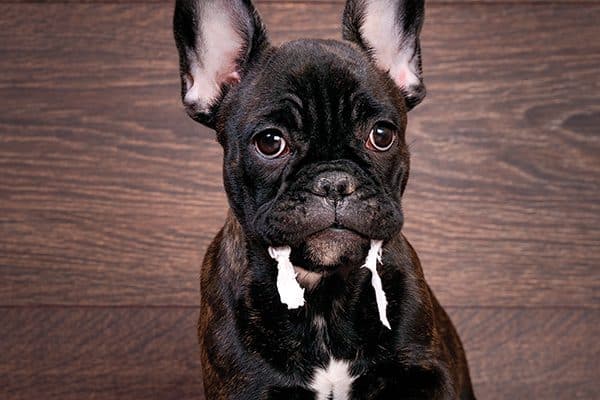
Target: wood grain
{"type": "Point", "coordinates": [151, 353]}
{"type": "Point", "coordinates": [99, 353]}
{"type": "Point", "coordinates": [531, 354]}
{"type": "Point", "coordinates": [109, 194]}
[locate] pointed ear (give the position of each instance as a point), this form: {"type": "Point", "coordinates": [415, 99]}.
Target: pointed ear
{"type": "Point", "coordinates": [217, 42]}
{"type": "Point", "coordinates": [389, 31]}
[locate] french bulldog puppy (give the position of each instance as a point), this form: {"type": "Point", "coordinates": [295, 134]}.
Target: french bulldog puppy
{"type": "Point", "coordinates": [316, 161]}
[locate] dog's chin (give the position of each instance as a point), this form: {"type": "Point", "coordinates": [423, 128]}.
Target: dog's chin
{"type": "Point", "coordinates": [330, 250]}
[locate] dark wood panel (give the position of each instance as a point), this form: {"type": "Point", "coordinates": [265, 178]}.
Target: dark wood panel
{"type": "Point", "coordinates": [109, 194]}
{"type": "Point", "coordinates": [99, 353]}
{"type": "Point", "coordinates": [531, 354]}
{"type": "Point", "coordinates": [503, 202]}
{"type": "Point", "coordinates": [72, 353]}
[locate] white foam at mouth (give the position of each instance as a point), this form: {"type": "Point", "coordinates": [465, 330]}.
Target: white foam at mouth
{"type": "Point", "coordinates": [289, 289]}
{"type": "Point", "coordinates": [292, 295]}
{"type": "Point", "coordinates": [373, 258]}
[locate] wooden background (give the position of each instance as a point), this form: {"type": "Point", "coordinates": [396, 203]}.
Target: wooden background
{"type": "Point", "coordinates": [109, 194]}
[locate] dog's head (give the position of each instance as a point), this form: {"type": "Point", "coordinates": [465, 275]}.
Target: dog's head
{"type": "Point", "coordinates": [313, 130]}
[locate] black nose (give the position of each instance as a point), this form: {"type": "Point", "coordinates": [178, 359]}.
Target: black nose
{"type": "Point", "coordinates": [334, 184]}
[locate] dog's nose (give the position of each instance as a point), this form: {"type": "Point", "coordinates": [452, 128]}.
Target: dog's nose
{"type": "Point", "coordinates": [334, 184]}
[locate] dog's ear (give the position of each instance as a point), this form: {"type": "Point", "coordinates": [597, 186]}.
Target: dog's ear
{"type": "Point", "coordinates": [389, 31]}
{"type": "Point", "coordinates": [217, 41]}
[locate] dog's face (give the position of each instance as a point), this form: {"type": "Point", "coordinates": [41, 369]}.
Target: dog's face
{"type": "Point", "coordinates": [313, 131]}
{"type": "Point", "coordinates": [315, 152]}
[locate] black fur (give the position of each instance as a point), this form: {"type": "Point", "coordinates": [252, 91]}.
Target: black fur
{"type": "Point", "coordinates": [324, 97]}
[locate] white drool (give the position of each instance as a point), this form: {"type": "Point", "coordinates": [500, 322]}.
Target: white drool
{"type": "Point", "coordinates": [373, 258]}
{"type": "Point", "coordinates": [292, 294]}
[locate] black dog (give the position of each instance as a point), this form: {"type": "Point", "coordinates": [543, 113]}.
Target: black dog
{"type": "Point", "coordinates": [315, 159]}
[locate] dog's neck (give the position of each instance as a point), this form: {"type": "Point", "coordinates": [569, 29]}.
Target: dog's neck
{"type": "Point", "coordinates": [234, 255]}
{"type": "Point", "coordinates": [338, 305]}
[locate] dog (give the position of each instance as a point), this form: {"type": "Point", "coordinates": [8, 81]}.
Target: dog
{"type": "Point", "coordinates": [315, 162]}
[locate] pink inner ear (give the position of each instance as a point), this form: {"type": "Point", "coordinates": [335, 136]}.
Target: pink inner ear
{"type": "Point", "coordinates": [401, 77]}
{"type": "Point", "coordinates": [231, 78]}
{"type": "Point", "coordinates": [404, 76]}
{"type": "Point", "coordinates": [189, 81]}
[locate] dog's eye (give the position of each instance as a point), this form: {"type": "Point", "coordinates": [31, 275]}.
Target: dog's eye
{"type": "Point", "coordinates": [382, 137]}
{"type": "Point", "coordinates": [270, 143]}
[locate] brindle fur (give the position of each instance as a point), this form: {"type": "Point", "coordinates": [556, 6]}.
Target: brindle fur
{"type": "Point", "coordinates": [429, 348]}
{"type": "Point", "coordinates": [323, 97]}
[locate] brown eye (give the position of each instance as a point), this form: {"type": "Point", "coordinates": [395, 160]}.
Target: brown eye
{"type": "Point", "coordinates": [270, 143]}
{"type": "Point", "coordinates": [382, 137]}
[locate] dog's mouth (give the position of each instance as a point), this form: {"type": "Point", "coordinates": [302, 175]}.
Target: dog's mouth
{"type": "Point", "coordinates": [293, 280]}
{"type": "Point", "coordinates": [331, 250]}
{"type": "Point", "coordinates": [336, 233]}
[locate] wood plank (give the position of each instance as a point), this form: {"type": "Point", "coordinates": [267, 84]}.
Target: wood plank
{"type": "Point", "coordinates": [98, 353]}
{"type": "Point", "coordinates": [531, 354]}
{"type": "Point", "coordinates": [109, 194]}
{"type": "Point", "coordinates": [503, 203]}
{"type": "Point", "coordinates": [151, 353]}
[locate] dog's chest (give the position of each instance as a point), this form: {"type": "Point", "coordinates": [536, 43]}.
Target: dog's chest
{"type": "Point", "coordinates": [334, 380]}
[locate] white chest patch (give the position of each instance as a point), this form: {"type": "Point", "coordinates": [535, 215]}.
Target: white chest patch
{"type": "Point", "coordinates": [333, 382]}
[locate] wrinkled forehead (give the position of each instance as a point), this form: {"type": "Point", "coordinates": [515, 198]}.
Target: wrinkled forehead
{"type": "Point", "coordinates": [320, 86]}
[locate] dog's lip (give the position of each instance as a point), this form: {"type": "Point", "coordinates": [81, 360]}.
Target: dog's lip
{"type": "Point", "coordinates": [335, 233]}
{"type": "Point", "coordinates": [338, 228]}
{"type": "Point", "coordinates": [335, 229]}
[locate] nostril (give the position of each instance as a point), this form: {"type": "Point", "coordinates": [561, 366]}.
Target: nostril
{"type": "Point", "coordinates": [341, 186]}
{"type": "Point", "coordinates": [345, 186]}
{"type": "Point", "coordinates": [334, 185]}
{"type": "Point", "coordinates": [322, 187]}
